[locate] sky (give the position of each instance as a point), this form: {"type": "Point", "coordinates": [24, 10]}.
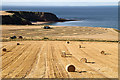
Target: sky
{"type": "Point", "coordinates": [60, 2]}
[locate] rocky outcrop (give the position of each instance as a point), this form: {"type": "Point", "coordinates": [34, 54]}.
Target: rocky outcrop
{"type": "Point", "coordinates": [26, 17]}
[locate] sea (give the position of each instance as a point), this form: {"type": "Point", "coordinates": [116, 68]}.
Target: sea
{"type": "Point", "coordinates": [87, 16]}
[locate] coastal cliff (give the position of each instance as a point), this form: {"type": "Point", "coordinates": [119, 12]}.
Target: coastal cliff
{"type": "Point", "coordinates": [14, 20]}
{"type": "Point", "coordinates": [26, 17]}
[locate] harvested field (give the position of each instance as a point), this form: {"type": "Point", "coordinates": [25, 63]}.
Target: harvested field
{"type": "Point", "coordinates": [42, 59]}
{"type": "Point", "coordinates": [59, 32]}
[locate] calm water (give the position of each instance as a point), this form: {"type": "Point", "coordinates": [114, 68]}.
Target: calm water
{"type": "Point", "coordinates": [94, 16]}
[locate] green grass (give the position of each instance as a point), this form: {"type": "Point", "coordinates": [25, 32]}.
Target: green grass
{"type": "Point", "coordinates": [47, 39]}
{"type": "Point", "coordinates": [117, 30]}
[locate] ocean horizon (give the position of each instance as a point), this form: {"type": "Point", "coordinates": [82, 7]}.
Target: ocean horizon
{"type": "Point", "coordinates": [89, 16]}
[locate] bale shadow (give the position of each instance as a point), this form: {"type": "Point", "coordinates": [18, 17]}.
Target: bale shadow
{"type": "Point", "coordinates": [8, 51]}
{"type": "Point", "coordinates": [22, 44]}
{"type": "Point", "coordinates": [91, 62]}
{"type": "Point", "coordinates": [107, 54]}
{"type": "Point", "coordinates": [68, 56]}
{"type": "Point", "coordinates": [82, 47]}
{"type": "Point", "coordinates": [81, 71]}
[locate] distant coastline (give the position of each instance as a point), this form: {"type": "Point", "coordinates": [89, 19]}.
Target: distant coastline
{"type": "Point", "coordinates": [92, 16]}
{"type": "Point", "coordinates": [29, 18]}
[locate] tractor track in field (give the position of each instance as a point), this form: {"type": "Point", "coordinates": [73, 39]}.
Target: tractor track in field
{"type": "Point", "coordinates": [78, 62]}
{"type": "Point", "coordinates": [42, 59]}
{"type": "Point", "coordinates": [13, 59]}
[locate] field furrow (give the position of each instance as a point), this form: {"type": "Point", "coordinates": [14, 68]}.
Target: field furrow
{"type": "Point", "coordinates": [42, 59]}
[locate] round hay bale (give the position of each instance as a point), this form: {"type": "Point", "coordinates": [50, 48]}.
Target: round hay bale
{"type": "Point", "coordinates": [84, 60]}
{"type": "Point", "coordinates": [47, 27]}
{"type": "Point", "coordinates": [4, 49]}
{"type": "Point", "coordinates": [18, 43]}
{"type": "Point", "coordinates": [80, 46]}
{"type": "Point", "coordinates": [70, 68]}
{"type": "Point", "coordinates": [20, 37]}
{"type": "Point", "coordinates": [102, 52]}
{"type": "Point", "coordinates": [14, 37]}
{"type": "Point", "coordinates": [68, 42]}
{"type": "Point", "coordinates": [63, 54]}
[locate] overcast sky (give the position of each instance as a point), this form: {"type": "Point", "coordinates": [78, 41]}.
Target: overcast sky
{"type": "Point", "coordinates": [61, 2]}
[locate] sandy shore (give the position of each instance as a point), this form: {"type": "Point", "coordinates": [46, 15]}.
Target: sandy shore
{"type": "Point", "coordinates": [59, 32]}
{"type": "Point", "coordinates": [38, 23]}
{"type": "Point", "coordinates": [5, 13]}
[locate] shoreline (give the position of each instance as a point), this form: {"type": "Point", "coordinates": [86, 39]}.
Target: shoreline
{"type": "Point", "coordinates": [36, 21]}
{"type": "Point", "coordinates": [24, 17]}
{"type": "Point", "coordinates": [39, 23]}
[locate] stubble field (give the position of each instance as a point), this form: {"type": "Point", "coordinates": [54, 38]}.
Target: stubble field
{"type": "Point", "coordinates": [42, 59]}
